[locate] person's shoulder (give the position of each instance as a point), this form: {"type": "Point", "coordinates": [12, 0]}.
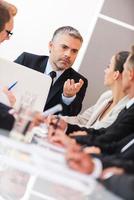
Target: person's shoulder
{"type": "Point", "coordinates": [77, 74]}
{"type": "Point", "coordinates": [106, 95]}
{"type": "Point", "coordinates": [4, 107]}
{"type": "Point", "coordinates": [31, 55]}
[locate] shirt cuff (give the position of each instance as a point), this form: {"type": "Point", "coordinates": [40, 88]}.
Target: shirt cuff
{"type": "Point", "coordinates": [68, 100]}
{"type": "Point", "coordinates": [97, 168]}
{"type": "Point", "coordinates": [13, 112]}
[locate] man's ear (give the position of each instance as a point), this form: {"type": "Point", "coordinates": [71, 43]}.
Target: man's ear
{"type": "Point", "coordinates": [131, 74]}
{"type": "Point", "coordinates": [50, 46]}
{"type": "Point", "coordinates": [116, 75]}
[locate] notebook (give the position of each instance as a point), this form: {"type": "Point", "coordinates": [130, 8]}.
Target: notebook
{"type": "Point", "coordinates": [28, 83]}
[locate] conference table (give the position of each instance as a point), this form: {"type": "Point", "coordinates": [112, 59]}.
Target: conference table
{"type": "Point", "coordinates": [38, 171]}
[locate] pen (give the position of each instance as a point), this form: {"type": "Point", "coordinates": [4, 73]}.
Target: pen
{"type": "Point", "coordinates": [55, 126]}
{"type": "Point", "coordinates": [26, 128]}
{"type": "Point", "coordinates": [11, 86]}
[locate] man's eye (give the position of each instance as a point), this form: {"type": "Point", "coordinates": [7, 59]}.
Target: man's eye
{"type": "Point", "coordinates": [64, 47]}
{"type": "Point", "coordinates": [74, 50]}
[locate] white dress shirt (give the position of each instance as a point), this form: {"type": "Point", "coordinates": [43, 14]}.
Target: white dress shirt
{"type": "Point", "coordinates": [130, 103]}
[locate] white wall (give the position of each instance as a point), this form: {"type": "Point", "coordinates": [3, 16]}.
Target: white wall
{"type": "Point", "coordinates": [37, 20]}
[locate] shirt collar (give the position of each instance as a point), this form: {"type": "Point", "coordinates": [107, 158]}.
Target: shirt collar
{"type": "Point", "coordinates": [129, 103]}
{"type": "Point", "coordinates": [49, 69]}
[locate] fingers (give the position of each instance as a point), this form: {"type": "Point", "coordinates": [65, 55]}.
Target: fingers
{"type": "Point", "coordinates": [10, 96]}
{"type": "Point", "coordinates": [80, 161]}
{"type": "Point", "coordinates": [58, 122]}
{"type": "Point", "coordinates": [52, 132]}
{"type": "Point", "coordinates": [58, 141]}
{"type": "Point", "coordinates": [71, 88]}
{"type": "Point", "coordinates": [108, 172]}
{"type": "Point", "coordinates": [89, 150]}
{"type": "Point", "coordinates": [78, 133]}
{"type": "Point", "coordinates": [37, 119]}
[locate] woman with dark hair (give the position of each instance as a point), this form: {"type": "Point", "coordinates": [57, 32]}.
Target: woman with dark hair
{"type": "Point", "coordinates": [108, 106]}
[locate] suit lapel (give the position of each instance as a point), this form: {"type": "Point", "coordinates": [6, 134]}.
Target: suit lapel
{"type": "Point", "coordinates": [99, 110]}
{"type": "Point", "coordinates": [58, 85]}
{"type": "Point", "coordinates": [124, 110]}
{"type": "Point", "coordinates": [43, 64]}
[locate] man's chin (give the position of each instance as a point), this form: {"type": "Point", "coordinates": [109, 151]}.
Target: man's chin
{"type": "Point", "coordinates": [63, 67]}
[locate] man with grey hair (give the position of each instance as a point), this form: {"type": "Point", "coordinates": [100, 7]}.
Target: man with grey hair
{"type": "Point", "coordinates": [68, 86]}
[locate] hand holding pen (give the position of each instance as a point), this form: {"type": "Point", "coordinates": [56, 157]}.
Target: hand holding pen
{"type": "Point", "coordinates": [61, 139]}
{"type": "Point", "coordinates": [11, 97]}
{"type": "Point", "coordinates": [53, 125]}
{"type": "Point", "coordinates": [57, 122]}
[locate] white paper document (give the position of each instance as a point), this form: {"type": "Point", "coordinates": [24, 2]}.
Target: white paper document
{"type": "Point", "coordinates": [27, 82]}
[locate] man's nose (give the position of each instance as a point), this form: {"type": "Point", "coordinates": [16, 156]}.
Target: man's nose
{"type": "Point", "coordinates": [68, 53]}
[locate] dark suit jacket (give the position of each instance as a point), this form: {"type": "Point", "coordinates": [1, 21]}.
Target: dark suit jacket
{"type": "Point", "coordinates": [39, 63]}
{"type": "Point", "coordinates": [107, 138]}
{"type": "Point", "coordinates": [124, 159]}
{"type": "Point", "coordinates": [122, 185]}
{"type": "Point", "coordinates": [6, 120]}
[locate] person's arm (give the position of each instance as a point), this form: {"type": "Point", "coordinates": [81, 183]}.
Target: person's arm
{"type": "Point", "coordinates": [81, 119]}
{"type": "Point", "coordinates": [122, 185]}
{"type": "Point", "coordinates": [114, 146]}
{"type": "Point", "coordinates": [9, 95]}
{"type": "Point", "coordinates": [118, 160]}
{"type": "Point", "coordinates": [6, 119]}
{"type": "Point", "coordinates": [70, 89]}
{"type": "Point", "coordinates": [90, 138]}
{"type": "Point", "coordinates": [89, 115]}
{"type": "Point", "coordinates": [122, 127]}
{"type": "Point", "coordinates": [75, 107]}
{"type": "Point", "coordinates": [116, 132]}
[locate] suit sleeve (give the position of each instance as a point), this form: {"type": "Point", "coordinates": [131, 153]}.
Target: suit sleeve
{"type": "Point", "coordinates": [75, 107]}
{"type": "Point", "coordinates": [121, 128]}
{"type": "Point", "coordinates": [110, 137]}
{"type": "Point", "coordinates": [105, 138]}
{"type": "Point", "coordinates": [122, 185]}
{"type": "Point", "coordinates": [89, 139]}
{"type": "Point", "coordinates": [115, 147]}
{"type": "Point", "coordinates": [118, 161]}
{"type": "Point", "coordinates": [6, 119]}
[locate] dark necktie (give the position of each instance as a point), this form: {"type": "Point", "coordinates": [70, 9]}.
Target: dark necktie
{"type": "Point", "coordinates": [52, 75]}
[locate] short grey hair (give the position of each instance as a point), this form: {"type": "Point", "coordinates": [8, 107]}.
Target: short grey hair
{"type": "Point", "coordinates": [68, 30]}
{"type": "Point", "coordinates": [130, 60]}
